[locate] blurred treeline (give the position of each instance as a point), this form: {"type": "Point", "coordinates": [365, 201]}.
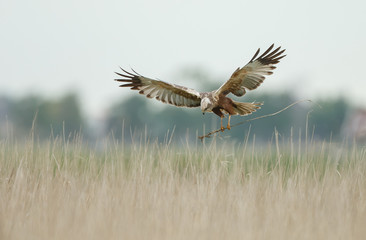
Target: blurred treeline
{"type": "Point", "coordinates": [46, 116]}
{"type": "Point", "coordinates": [137, 115]}
{"type": "Point", "coordinates": [323, 120]}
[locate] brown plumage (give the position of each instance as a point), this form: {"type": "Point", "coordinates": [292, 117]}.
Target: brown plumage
{"type": "Point", "coordinates": [248, 77]}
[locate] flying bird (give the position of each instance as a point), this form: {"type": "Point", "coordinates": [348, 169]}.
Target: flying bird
{"type": "Point", "coordinates": [246, 78]}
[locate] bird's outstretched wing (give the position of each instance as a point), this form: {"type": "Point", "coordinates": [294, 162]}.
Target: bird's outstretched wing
{"type": "Point", "coordinates": [252, 75]}
{"type": "Point", "coordinates": [166, 92]}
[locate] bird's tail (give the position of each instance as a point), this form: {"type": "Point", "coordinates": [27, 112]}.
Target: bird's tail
{"type": "Point", "coordinates": [246, 108]}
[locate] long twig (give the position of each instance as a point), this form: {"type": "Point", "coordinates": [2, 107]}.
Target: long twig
{"type": "Point", "coordinates": [208, 135]}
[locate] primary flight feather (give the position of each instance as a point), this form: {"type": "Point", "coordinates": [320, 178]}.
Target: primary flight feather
{"type": "Point", "coordinates": [248, 77]}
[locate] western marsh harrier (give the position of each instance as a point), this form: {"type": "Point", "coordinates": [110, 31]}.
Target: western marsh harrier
{"type": "Point", "coordinates": [248, 77]}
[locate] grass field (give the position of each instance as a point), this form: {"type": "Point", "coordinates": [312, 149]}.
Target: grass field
{"type": "Point", "coordinates": [285, 189]}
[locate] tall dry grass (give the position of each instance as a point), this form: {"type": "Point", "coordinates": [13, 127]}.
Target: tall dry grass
{"type": "Point", "coordinates": [64, 189]}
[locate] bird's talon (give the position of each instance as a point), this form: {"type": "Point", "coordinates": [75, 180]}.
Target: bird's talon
{"type": "Point", "coordinates": [222, 129]}
{"type": "Point", "coordinates": [228, 127]}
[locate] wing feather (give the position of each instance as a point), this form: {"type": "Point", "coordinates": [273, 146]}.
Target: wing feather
{"type": "Point", "coordinates": [165, 92]}
{"type": "Point", "coordinates": [252, 74]}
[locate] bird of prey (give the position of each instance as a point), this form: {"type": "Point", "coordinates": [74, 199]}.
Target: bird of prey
{"type": "Point", "coordinates": [248, 77]}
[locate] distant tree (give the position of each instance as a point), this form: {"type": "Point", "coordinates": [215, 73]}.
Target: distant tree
{"type": "Point", "coordinates": [58, 116]}
{"type": "Point", "coordinates": [22, 113]}
{"type": "Point", "coordinates": [328, 118]}
{"type": "Point", "coordinates": [131, 113]}
{"type": "Point", "coordinates": [63, 115]}
{"type": "Point", "coordinates": [264, 128]}
{"type": "Point", "coordinates": [135, 114]}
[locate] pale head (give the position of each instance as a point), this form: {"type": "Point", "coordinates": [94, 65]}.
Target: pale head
{"type": "Point", "coordinates": [206, 105]}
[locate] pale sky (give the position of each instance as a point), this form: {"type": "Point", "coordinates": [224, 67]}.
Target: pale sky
{"type": "Point", "coordinates": [52, 47]}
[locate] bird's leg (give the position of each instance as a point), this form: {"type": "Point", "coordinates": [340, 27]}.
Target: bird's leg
{"type": "Point", "coordinates": [222, 128]}
{"type": "Point", "coordinates": [228, 123]}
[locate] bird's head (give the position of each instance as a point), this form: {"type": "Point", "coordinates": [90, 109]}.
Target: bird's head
{"type": "Point", "coordinates": [206, 105]}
